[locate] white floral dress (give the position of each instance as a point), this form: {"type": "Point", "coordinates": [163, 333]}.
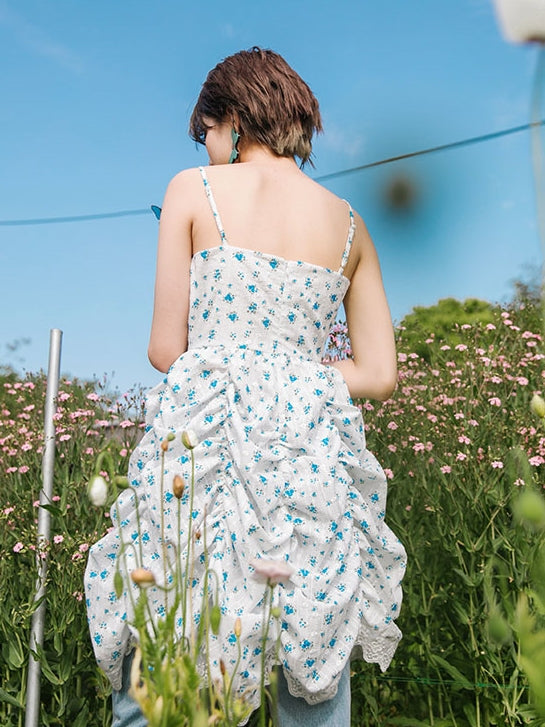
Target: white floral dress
{"type": "Point", "coordinates": [282, 473]}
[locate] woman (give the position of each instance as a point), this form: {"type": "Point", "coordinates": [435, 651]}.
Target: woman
{"type": "Point", "coordinates": [254, 260]}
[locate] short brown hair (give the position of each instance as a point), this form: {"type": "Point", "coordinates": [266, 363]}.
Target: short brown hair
{"type": "Point", "coordinates": [275, 107]}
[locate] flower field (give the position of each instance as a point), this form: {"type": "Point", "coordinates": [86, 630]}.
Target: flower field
{"type": "Point", "coordinates": [458, 442]}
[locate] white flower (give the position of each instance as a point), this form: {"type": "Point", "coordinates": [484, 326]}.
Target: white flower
{"type": "Point", "coordinates": [273, 571]}
{"type": "Point", "coordinates": [189, 439]}
{"type": "Point", "coordinates": [97, 491]}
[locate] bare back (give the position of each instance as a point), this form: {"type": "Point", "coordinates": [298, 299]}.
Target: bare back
{"type": "Point", "coordinates": [274, 210]}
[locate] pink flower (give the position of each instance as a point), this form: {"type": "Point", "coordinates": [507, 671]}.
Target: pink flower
{"type": "Point", "coordinates": [126, 423]}
{"type": "Point", "coordinates": [497, 464]}
{"type": "Point", "coordinates": [494, 401]}
{"type": "Point", "coordinates": [446, 469]}
{"type": "Point", "coordinates": [18, 547]}
{"type": "Point", "coordinates": [92, 396]}
{"type": "Point", "coordinates": [65, 437]}
{"type": "Point", "coordinates": [490, 327]}
{"type": "Point", "coordinates": [392, 425]}
{"type": "Point", "coordinates": [536, 461]}
{"type": "Point", "coordinates": [461, 456]}
{"type": "Point", "coordinates": [389, 474]}
{"type": "Point", "coordinates": [273, 571]}
{"type": "Point", "coordinates": [463, 439]}
{"type": "Point", "coordinates": [24, 468]}
{"type": "Point", "coordinates": [58, 539]}
{"type": "Point", "coordinates": [419, 447]}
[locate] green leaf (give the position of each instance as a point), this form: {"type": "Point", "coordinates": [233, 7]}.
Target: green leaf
{"type": "Point", "coordinates": [53, 509]}
{"type": "Point", "coordinates": [16, 657]}
{"type": "Point", "coordinates": [6, 697]}
{"type": "Point", "coordinates": [452, 671]}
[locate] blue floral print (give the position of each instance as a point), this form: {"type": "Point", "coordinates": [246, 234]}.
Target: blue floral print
{"type": "Point", "coordinates": [282, 472]}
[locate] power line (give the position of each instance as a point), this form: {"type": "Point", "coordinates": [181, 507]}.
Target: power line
{"type": "Point", "coordinates": [74, 218]}
{"type": "Point", "coordinates": [433, 149]}
{"type": "Point", "coordinates": [333, 175]}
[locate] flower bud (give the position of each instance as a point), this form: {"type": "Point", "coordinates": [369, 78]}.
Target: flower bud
{"type": "Point", "coordinates": [142, 577]}
{"type": "Point", "coordinates": [275, 612]}
{"type": "Point", "coordinates": [97, 490]}
{"type": "Point", "coordinates": [164, 445]}
{"type": "Point", "coordinates": [157, 712]}
{"type": "Point", "coordinates": [537, 405]}
{"type": "Point", "coordinates": [118, 584]}
{"type": "Point", "coordinates": [238, 627]}
{"type": "Point", "coordinates": [178, 486]}
{"type": "Point", "coordinates": [171, 437]}
{"type": "Point", "coordinates": [189, 439]}
{"type": "Point", "coordinates": [197, 535]}
{"type": "Point", "coordinates": [215, 618]}
{"type": "Point", "coordinates": [222, 667]}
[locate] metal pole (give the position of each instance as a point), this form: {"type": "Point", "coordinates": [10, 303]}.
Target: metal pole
{"type": "Point", "coordinates": [46, 494]}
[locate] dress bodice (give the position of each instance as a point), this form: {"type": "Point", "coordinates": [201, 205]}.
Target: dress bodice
{"type": "Point", "coordinates": [244, 298]}
{"type": "Point", "coordinates": [248, 298]}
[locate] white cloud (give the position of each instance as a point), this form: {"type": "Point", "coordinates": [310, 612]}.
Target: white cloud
{"type": "Point", "coordinates": [342, 141]}
{"type": "Point", "coordinates": [34, 39]}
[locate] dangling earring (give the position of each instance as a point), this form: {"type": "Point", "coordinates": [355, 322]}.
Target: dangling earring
{"type": "Point", "coordinates": [235, 136]}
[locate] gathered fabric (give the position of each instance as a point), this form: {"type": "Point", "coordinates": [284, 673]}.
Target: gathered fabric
{"type": "Point", "coordinates": [282, 472]}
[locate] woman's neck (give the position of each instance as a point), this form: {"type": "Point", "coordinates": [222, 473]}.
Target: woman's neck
{"type": "Point", "coordinates": [259, 153]}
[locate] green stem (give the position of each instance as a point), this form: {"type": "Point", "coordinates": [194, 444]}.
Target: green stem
{"type": "Point", "coordinates": [266, 620]}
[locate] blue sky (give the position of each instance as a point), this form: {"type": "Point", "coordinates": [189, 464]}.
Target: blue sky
{"type": "Point", "coordinates": [96, 98]}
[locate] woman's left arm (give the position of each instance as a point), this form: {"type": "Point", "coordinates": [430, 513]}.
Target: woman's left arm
{"type": "Point", "coordinates": [168, 338]}
{"type": "Point", "coordinates": [372, 371]}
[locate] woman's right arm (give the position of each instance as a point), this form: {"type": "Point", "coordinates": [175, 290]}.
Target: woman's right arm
{"type": "Point", "coordinates": [168, 338]}
{"type": "Point", "coordinates": [372, 372]}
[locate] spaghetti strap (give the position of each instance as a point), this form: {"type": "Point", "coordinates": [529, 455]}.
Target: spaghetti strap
{"type": "Point", "coordinates": [349, 239]}
{"type": "Point", "coordinates": [213, 207]}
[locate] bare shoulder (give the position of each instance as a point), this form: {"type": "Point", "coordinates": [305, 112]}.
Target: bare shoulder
{"type": "Point", "coordinates": [184, 181]}
{"type": "Point", "coordinates": [183, 195]}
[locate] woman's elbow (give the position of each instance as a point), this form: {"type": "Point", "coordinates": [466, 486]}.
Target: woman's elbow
{"type": "Point", "coordinates": [385, 388]}
{"type": "Point", "coordinates": [161, 358]}
{"type": "Point", "coordinates": [378, 385]}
